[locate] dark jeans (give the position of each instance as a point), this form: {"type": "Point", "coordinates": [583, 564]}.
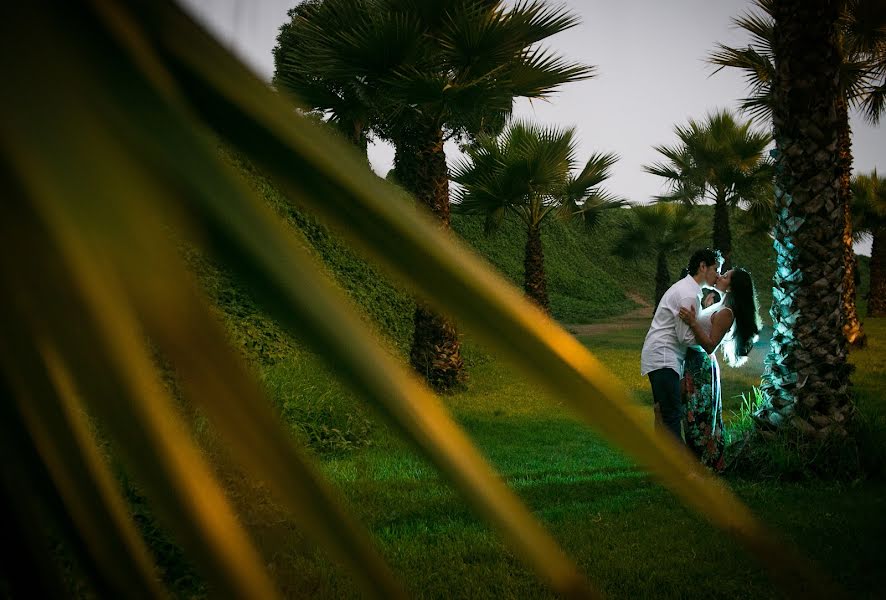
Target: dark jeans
{"type": "Point", "coordinates": [666, 392]}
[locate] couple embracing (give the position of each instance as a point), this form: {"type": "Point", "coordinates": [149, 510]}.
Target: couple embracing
{"type": "Point", "coordinates": [678, 353]}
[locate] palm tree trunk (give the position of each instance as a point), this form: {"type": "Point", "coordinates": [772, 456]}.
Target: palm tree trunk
{"type": "Point", "coordinates": [534, 280]}
{"type": "Point", "coordinates": [877, 295]}
{"type": "Point", "coordinates": [806, 379]}
{"type": "Point", "coordinates": [420, 164]}
{"type": "Point", "coordinates": [852, 329]}
{"type": "Point", "coordinates": [722, 238]}
{"type": "Point", "coordinates": [662, 279]}
{"type": "Point", "coordinates": [357, 135]}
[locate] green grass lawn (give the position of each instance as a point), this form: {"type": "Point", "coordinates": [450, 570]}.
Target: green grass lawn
{"type": "Point", "coordinates": [630, 535]}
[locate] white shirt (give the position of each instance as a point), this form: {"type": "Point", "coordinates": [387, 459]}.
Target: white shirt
{"type": "Point", "coordinates": [669, 337]}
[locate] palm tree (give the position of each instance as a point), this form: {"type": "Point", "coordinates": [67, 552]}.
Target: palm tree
{"type": "Point", "coordinates": [435, 71]}
{"type": "Point", "coordinates": [527, 171]}
{"type": "Point", "coordinates": [862, 34]}
{"type": "Point", "coordinates": [869, 194]}
{"type": "Point", "coordinates": [344, 103]}
{"type": "Point", "coordinates": [660, 230]}
{"type": "Point", "coordinates": [806, 380]}
{"type": "Point", "coordinates": [720, 160]}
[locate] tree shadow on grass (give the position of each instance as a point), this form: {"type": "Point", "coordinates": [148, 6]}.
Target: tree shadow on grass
{"type": "Point", "coordinates": [405, 505]}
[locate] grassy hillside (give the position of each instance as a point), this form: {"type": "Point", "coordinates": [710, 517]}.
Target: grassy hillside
{"type": "Point", "coordinates": [586, 282]}
{"type": "Point", "coordinates": [385, 307]}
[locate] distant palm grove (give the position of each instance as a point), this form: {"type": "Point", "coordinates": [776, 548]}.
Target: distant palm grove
{"type": "Point", "coordinates": [424, 90]}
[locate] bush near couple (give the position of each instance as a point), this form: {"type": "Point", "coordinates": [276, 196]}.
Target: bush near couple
{"type": "Point", "coordinates": [678, 353]}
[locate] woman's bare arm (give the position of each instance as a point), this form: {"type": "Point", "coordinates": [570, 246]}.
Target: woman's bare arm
{"type": "Point", "coordinates": [721, 322]}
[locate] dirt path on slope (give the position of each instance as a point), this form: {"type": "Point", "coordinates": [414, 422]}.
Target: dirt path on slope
{"type": "Point", "coordinates": [641, 315]}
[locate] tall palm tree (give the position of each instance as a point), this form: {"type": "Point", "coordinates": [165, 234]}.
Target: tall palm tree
{"type": "Point", "coordinates": [720, 160]}
{"type": "Point", "coordinates": [528, 171]}
{"type": "Point", "coordinates": [862, 35]}
{"type": "Point", "coordinates": [434, 71]}
{"type": "Point", "coordinates": [869, 194]}
{"type": "Point", "coordinates": [660, 230]}
{"type": "Point", "coordinates": [806, 379]}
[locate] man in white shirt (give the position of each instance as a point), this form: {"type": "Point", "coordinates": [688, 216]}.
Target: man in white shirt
{"type": "Point", "coordinates": [668, 337]}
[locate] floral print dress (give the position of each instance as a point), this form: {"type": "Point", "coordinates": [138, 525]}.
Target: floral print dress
{"type": "Point", "coordinates": [702, 403]}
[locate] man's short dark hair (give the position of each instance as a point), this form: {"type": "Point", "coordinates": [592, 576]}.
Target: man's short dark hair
{"type": "Point", "coordinates": [707, 256]}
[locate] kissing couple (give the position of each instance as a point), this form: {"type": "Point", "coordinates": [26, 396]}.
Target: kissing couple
{"type": "Point", "coordinates": [679, 350]}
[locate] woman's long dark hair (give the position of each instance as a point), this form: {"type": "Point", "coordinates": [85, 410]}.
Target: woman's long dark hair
{"type": "Point", "coordinates": [742, 299]}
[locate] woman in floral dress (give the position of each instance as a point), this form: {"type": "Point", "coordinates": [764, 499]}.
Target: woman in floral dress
{"type": "Point", "coordinates": [731, 324]}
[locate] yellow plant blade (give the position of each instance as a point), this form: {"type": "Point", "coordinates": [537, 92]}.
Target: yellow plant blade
{"type": "Point", "coordinates": [63, 440]}
{"type": "Point", "coordinates": [421, 413]}
{"type": "Point", "coordinates": [325, 175]}
{"type": "Point", "coordinates": [69, 293]}
{"type": "Point", "coordinates": [97, 520]}
{"type": "Point", "coordinates": [311, 307]}
{"type": "Point", "coordinates": [136, 248]}
{"type": "Point", "coordinates": [29, 512]}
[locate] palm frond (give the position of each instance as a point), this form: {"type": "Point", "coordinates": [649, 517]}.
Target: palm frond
{"type": "Point", "coordinates": [481, 38]}
{"type": "Point", "coordinates": [717, 157]}
{"type": "Point", "coordinates": [864, 25]}
{"type": "Point", "coordinates": [868, 202]}
{"type": "Point", "coordinates": [758, 66]}
{"type": "Point", "coordinates": [538, 74]}
{"type": "Point", "coordinates": [535, 20]}
{"type": "Point", "coordinates": [756, 61]}
{"type": "Point", "coordinates": [595, 172]}
{"type": "Point", "coordinates": [761, 25]}
{"type": "Point", "coordinates": [873, 103]}
{"type": "Point", "coordinates": [656, 228]}
{"type": "Point", "coordinates": [583, 198]}
{"type": "Point", "coordinates": [590, 211]}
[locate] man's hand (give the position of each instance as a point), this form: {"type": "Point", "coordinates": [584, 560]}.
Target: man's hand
{"type": "Point", "coordinates": [687, 315]}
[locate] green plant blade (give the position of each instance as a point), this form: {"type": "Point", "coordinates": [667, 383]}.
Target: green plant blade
{"type": "Point", "coordinates": [96, 521]}
{"type": "Point", "coordinates": [320, 173]}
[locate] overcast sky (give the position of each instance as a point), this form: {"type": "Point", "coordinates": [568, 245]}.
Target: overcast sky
{"type": "Point", "coordinates": [651, 75]}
